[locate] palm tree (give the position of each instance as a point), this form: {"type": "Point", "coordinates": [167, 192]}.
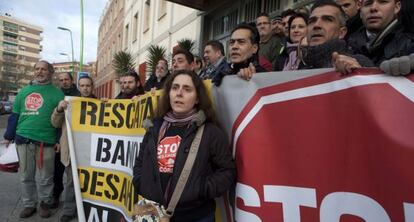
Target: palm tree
{"type": "Point", "coordinates": [123, 62]}
{"type": "Point", "coordinates": [187, 44]}
{"type": "Point", "coordinates": [155, 53]}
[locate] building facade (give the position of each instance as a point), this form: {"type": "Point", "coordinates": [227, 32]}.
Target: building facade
{"type": "Point", "coordinates": [164, 23]}
{"type": "Point", "coordinates": [110, 37]}
{"type": "Point", "coordinates": [159, 23]}
{"type": "Point", "coordinates": [19, 51]}
{"type": "Point", "coordinates": [144, 23]}
{"type": "Point", "coordinates": [66, 67]}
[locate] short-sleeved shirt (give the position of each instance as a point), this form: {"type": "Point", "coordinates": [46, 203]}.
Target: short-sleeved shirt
{"type": "Point", "coordinates": [35, 104]}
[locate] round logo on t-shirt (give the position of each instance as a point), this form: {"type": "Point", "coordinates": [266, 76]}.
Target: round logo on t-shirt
{"type": "Point", "coordinates": [33, 102]}
{"type": "Point", "coordinates": [167, 152]}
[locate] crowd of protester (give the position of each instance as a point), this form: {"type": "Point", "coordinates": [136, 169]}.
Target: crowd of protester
{"type": "Point", "coordinates": [341, 34]}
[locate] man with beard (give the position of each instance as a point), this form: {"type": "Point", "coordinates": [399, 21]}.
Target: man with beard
{"type": "Point", "coordinates": [30, 127]}
{"type": "Point", "coordinates": [66, 84]}
{"type": "Point", "coordinates": [131, 86]}
{"type": "Point", "coordinates": [156, 80]}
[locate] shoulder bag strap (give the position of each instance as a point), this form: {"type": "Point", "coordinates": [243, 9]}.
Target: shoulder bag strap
{"type": "Point", "coordinates": [185, 173]}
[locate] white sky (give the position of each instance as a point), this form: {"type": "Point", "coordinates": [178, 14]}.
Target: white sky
{"type": "Point", "coordinates": [49, 14]}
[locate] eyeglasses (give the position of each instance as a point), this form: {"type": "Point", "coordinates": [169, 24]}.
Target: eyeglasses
{"type": "Point", "coordinates": [160, 67]}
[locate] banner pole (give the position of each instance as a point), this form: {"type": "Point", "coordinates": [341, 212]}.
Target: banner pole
{"type": "Point", "coordinates": [74, 166]}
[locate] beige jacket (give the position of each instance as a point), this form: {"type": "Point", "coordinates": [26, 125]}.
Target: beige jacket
{"type": "Point", "coordinates": [58, 121]}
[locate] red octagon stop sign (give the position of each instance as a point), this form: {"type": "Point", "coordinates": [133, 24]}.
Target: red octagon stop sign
{"type": "Point", "coordinates": [33, 102]}
{"type": "Point", "coordinates": [327, 148]}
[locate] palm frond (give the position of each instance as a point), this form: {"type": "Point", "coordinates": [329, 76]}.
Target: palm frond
{"type": "Point", "coordinates": [155, 53]}
{"type": "Point", "coordinates": [187, 44]}
{"type": "Point", "coordinates": [123, 62]}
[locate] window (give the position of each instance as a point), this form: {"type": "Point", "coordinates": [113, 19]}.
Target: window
{"type": "Point", "coordinates": [119, 43]}
{"type": "Point", "coordinates": [135, 28]}
{"type": "Point", "coordinates": [10, 47]}
{"type": "Point", "coordinates": [126, 35]}
{"type": "Point", "coordinates": [162, 9]}
{"type": "Point", "coordinates": [147, 12]}
{"type": "Point", "coordinates": [271, 6]}
{"type": "Point", "coordinates": [251, 9]}
{"type": "Point", "coordinates": [9, 37]}
{"type": "Point", "coordinates": [224, 24]}
{"type": "Point", "coordinates": [10, 26]}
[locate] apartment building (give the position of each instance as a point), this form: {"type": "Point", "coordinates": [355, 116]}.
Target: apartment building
{"type": "Point", "coordinates": [19, 51]}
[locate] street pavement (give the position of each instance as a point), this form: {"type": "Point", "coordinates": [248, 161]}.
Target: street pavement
{"type": "Point", "coordinates": [10, 194]}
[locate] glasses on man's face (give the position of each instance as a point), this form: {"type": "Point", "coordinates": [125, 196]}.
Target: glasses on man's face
{"type": "Point", "coordinates": [160, 67]}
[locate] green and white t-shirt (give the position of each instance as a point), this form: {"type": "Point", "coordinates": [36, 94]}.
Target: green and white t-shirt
{"type": "Point", "coordinates": [35, 105]}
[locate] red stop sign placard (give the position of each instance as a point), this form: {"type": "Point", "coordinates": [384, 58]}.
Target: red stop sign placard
{"type": "Point", "coordinates": [330, 148]}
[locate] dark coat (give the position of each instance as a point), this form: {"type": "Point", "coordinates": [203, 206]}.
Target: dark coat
{"type": "Point", "coordinates": [138, 91]}
{"type": "Point", "coordinates": [213, 172]}
{"type": "Point", "coordinates": [391, 43]}
{"type": "Point", "coordinates": [211, 72]}
{"type": "Point", "coordinates": [233, 69]}
{"type": "Point", "coordinates": [353, 25]}
{"type": "Point", "coordinates": [320, 56]}
{"type": "Point", "coordinates": [72, 91]}
{"type": "Point", "coordinates": [153, 82]}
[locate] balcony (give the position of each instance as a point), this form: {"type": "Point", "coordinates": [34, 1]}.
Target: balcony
{"type": "Point", "coordinates": [8, 49]}
{"type": "Point", "coordinates": [11, 29]}
{"type": "Point", "coordinates": [10, 39]}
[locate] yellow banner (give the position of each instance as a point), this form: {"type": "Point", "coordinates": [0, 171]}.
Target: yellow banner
{"type": "Point", "coordinates": [115, 116]}
{"type": "Point", "coordinates": [106, 186]}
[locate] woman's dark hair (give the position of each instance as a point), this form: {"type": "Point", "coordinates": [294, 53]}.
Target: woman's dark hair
{"type": "Point", "coordinates": [293, 17]}
{"type": "Point", "coordinates": [204, 102]}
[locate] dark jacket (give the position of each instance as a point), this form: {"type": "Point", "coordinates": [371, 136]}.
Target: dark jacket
{"type": "Point", "coordinates": [213, 172]}
{"type": "Point", "coordinates": [271, 50]}
{"type": "Point", "coordinates": [72, 91]}
{"type": "Point", "coordinates": [233, 69]}
{"type": "Point", "coordinates": [391, 43]}
{"type": "Point", "coordinates": [153, 82]}
{"type": "Point", "coordinates": [136, 92]}
{"type": "Point", "coordinates": [212, 71]}
{"type": "Point", "coordinates": [353, 25]}
{"type": "Point", "coordinates": [11, 127]}
{"type": "Point", "coordinates": [320, 56]}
